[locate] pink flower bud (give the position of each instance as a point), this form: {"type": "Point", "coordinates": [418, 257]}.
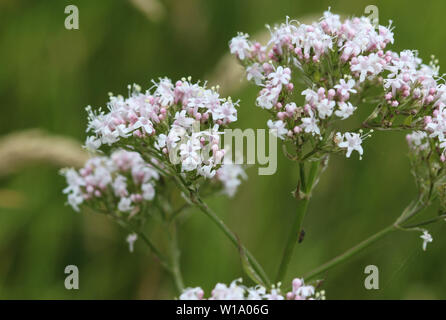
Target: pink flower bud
{"type": "Point", "coordinates": [281, 115]}
{"type": "Point", "coordinates": [297, 283]}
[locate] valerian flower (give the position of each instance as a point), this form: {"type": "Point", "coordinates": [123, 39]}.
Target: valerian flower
{"type": "Point", "coordinates": [237, 291]}
{"type": "Point", "coordinates": [335, 65]}
{"type": "Point", "coordinates": [427, 238]}
{"type": "Point", "coordinates": [178, 124]}
{"type": "Point", "coordinates": [120, 182]}
{"type": "Point", "coordinates": [124, 182]}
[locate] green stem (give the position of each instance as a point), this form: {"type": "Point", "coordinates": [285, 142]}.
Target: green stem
{"type": "Point", "coordinates": [409, 212]}
{"type": "Point", "coordinates": [424, 223]}
{"type": "Point", "coordinates": [293, 238]}
{"type": "Point", "coordinates": [175, 256]}
{"type": "Point", "coordinates": [233, 238]}
{"type": "Point", "coordinates": [162, 259]}
{"type": "Point", "coordinates": [305, 186]}
{"type": "Point", "coordinates": [349, 253]}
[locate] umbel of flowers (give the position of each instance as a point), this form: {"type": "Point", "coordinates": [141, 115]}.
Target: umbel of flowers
{"type": "Point", "coordinates": [335, 65]}
{"type": "Point", "coordinates": [125, 183]}
{"type": "Point", "coordinates": [179, 123]}
{"type": "Point", "coordinates": [149, 146]}
{"type": "Point", "coordinates": [122, 182]}
{"type": "Point", "coordinates": [313, 77]}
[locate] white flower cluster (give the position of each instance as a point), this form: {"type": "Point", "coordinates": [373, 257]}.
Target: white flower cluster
{"type": "Point", "coordinates": [435, 125]}
{"type": "Point", "coordinates": [123, 181]}
{"type": "Point", "coordinates": [237, 291]}
{"type": "Point", "coordinates": [337, 59]}
{"type": "Point", "coordinates": [181, 121]}
{"type": "Point", "coordinates": [417, 141]}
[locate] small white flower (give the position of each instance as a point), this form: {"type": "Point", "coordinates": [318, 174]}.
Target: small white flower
{"type": "Point", "coordinates": [256, 293]}
{"type": "Point", "coordinates": [181, 119]}
{"type": "Point", "coordinates": [120, 186]}
{"type": "Point", "coordinates": [268, 97]}
{"type": "Point", "coordinates": [345, 87]}
{"type": "Point", "coordinates": [233, 292]}
{"type": "Point", "coordinates": [325, 108]}
{"type": "Point", "coordinates": [426, 239]}
{"type": "Point", "coordinates": [227, 113]}
{"type": "Point", "coordinates": [240, 46]}
{"type": "Point", "coordinates": [190, 155]}
{"type": "Point", "coordinates": [311, 96]}
{"type": "Point", "coordinates": [254, 72]}
{"type": "Point", "coordinates": [161, 141]}
{"type": "Point", "coordinates": [74, 200]}
{"type": "Point", "coordinates": [305, 291]}
{"type": "Point", "coordinates": [274, 295]}
{"type": "Point", "coordinates": [366, 65]}
{"type": "Point", "coordinates": [277, 128]}
{"type": "Point", "coordinates": [164, 90]}
{"type": "Point", "coordinates": [131, 238]}
{"type": "Point", "coordinates": [143, 123]}
{"type": "Point", "coordinates": [148, 191]}
{"type": "Point", "coordinates": [92, 144]}
{"type": "Point", "coordinates": [310, 125]}
{"type": "Point", "coordinates": [350, 141]}
{"type": "Point", "coordinates": [280, 76]}
{"type": "Point", "coordinates": [192, 294]}
{"type": "Point", "coordinates": [125, 205]}
{"type": "Point", "coordinates": [231, 176]}
{"type": "Point", "coordinates": [346, 109]}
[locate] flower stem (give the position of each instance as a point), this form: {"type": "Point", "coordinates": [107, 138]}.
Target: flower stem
{"type": "Point", "coordinates": [161, 258]}
{"type": "Point", "coordinates": [349, 253]}
{"type": "Point", "coordinates": [175, 256]}
{"type": "Point", "coordinates": [412, 209]}
{"type": "Point", "coordinates": [233, 238]}
{"type": "Point", "coordinates": [305, 187]}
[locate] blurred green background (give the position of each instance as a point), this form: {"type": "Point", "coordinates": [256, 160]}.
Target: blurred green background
{"type": "Point", "coordinates": [49, 74]}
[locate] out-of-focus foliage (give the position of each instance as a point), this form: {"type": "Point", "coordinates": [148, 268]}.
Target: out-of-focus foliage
{"type": "Point", "coordinates": [49, 74]}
